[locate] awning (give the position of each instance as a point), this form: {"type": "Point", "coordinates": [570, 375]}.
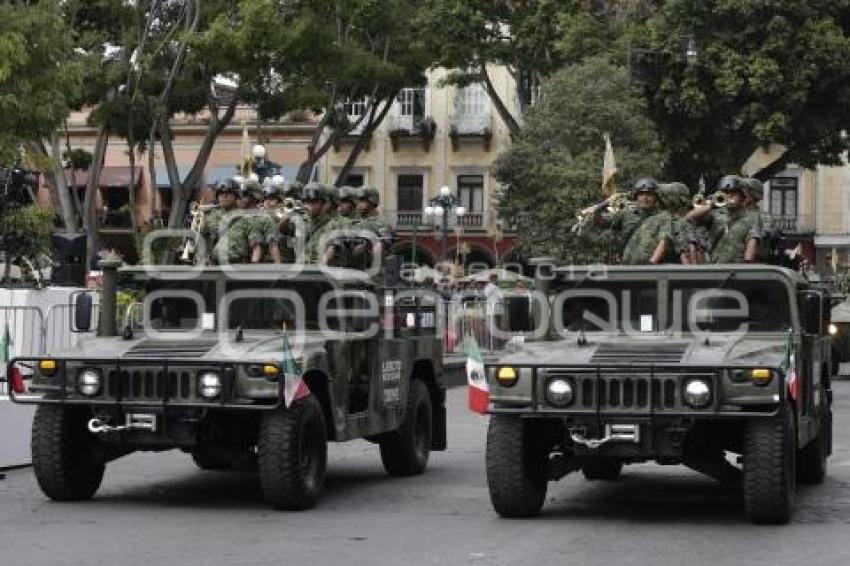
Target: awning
{"type": "Point", "coordinates": [78, 178]}
{"type": "Point", "coordinates": [162, 181]}
{"type": "Point", "coordinates": [110, 177]}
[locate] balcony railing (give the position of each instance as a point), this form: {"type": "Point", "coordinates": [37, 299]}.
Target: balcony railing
{"type": "Point", "coordinates": [404, 221]}
{"type": "Point", "coordinates": [792, 223]}
{"type": "Point", "coordinates": [471, 124]}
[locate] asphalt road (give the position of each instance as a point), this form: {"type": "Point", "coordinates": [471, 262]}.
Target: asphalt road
{"type": "Point", "coordinates": [159, 509]}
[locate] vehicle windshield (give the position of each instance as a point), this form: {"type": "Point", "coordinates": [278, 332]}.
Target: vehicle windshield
{"type": "Point", "coordinates": [178, 305]}
{"type": "Point", "coordinates": [688, 306]}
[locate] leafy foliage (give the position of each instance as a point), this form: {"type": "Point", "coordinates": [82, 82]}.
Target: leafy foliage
{"type": "Point", "coordinates": [27, 231]}
{"type": "Point", "coordinates": [555, 166]}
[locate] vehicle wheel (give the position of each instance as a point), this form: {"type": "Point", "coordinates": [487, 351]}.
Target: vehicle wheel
{"type": "Point", "coordinates": [515, 469]}
{"type": "Point", "coordinates": [292, 454]}
{"type": "Point", "coordinates": [602, 469]}
{"type": "Point", "coordinates": [405, 451]}
{"type": "Point", "coordinates": [63, 455]}
{"type": "Point", "coordinates": [769, 469]}
{"type": "Point", "coordinates": [207, 461]}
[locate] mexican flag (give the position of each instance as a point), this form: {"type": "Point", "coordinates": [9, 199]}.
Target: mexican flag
{"type": "Point", "coordinates": [790, 367]}
{"type": "Point", "coordinates": [294, 387]}
{"type": "Point", "coordinates": [478, 392]}
{"type": "Point", "coordinates": [6, 352]}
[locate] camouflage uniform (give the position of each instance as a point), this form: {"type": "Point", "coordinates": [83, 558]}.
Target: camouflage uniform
{"type": "Point", "coordinates": [730, 231]}
{"type": "Point", "coordinates": [315, 232]}
{"type": "Point", "coordinates": [653, 229]}
{"type": "Point", "coordinates": [235, 245]}
{"type": "Point", "coordinates": [675, 198]}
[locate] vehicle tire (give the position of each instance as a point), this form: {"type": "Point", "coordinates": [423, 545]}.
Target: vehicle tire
{"type": "Point", "coordinates": [769, 468]}
{"type": "Point", "coordinates": [292, 454]}
{"type": "Point", "coordinates": [515, 469]}
{"type": "Point", "coordinates": [602, 469]}
{"type": "Point", "coordinates": [405, 451]}
{"type": "Point", "coordinates": [62, 454]}
{"type": "Point", "coordinates": [207, 461]}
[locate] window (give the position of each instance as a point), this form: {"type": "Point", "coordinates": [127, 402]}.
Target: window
{"type": "Point", "coordinates": [411, 102]}
{"type": "Point", "coordinates": [470, 191]}
{"type": "Point", "coordinates": [354, 109]}
{"type": "Point", "coordinates": [471, 101]}
{"type": "Point", "coordinates": [355, 180]}
{"type": "Point", "coordinates": [409, 194]}
{"type": "Point", "coordinates": [783, 196]}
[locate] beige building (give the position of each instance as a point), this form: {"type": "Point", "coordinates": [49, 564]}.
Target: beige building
{"type": "Point", "coordinates": [433, 137]}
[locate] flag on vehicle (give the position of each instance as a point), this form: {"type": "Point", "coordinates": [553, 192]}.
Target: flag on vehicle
{"type": "Point", "coordinates": [6, 352]}
{"type": "Point", "coordinates": [478, 392]}
{"type": "Point", "coordinates": [294, 387]}
{"type": "Point", "coordinates": [790, 367]}
{"type": "Point", "coordinates": [609, 169]}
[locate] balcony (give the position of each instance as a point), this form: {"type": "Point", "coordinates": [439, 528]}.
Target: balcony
{"type": "Point", "coordinates": [405, 221]}
{"type": "Point", "coordinates": [792, 224]}
{"type": "Point", "coordinates": [470, 128]}
{"type": "Point", "coordinates": [412, 129]}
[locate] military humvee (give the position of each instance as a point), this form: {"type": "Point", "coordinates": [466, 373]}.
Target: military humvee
{"type": "Point", "coordinates": [207, 373]}
{"type": "Point", "coordinates": [678, 365]}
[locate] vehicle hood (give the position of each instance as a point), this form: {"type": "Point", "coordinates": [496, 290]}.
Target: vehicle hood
{"type": "Point", "coordinates": [749, 350]}
{"type": "Point", "coordinates": [207, 347]}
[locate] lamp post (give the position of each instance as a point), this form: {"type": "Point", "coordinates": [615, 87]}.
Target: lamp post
{"type": "Point", "coordinates": [443, 205]}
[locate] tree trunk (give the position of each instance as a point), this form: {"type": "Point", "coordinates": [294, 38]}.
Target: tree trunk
{"type": "Point", "coordinates": [131, 190]}
{"type": "Point", "coordinates": [363, 139]}
{"type": "Point", "coordinates": [56, 182]}
{"type": "Point", "coordinates": [504, 113]}
{"type": "Point", "coordinates": [90, 224]}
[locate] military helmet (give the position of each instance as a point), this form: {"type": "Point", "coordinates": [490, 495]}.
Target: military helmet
{"type": "Point", "coordinates": [227, 186]}
{"type": "Point", "coordinates": [347, 193]}
{"type": "Point", "coordinates": [294, 189]}
{"type": "Point", "coordinates": [370, 195]}
{"type": "Point", "coordinates": [646, 185]}
{"type": "Point", "coordinates": [754, 187]}
{"type": "Point", "coordinates": [273, 187]}
{"type": "Point", "coordinates": [673, 195]}
{"type": "Point", "coordinates": [730, 183]}
{"type": "Point", "coordinates": [313, 191]}
{"type": "Point", "coordinates": [251, 188]}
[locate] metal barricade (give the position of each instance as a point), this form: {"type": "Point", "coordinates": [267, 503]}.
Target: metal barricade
{"type": "Point", "coordinates": [26, 333]}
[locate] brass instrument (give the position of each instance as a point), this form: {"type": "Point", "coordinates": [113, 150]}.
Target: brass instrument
{"type": "Point", "coordinates": [717, 200]}
{"type": "Point", "coordinates": [617, 202]}
{"type": "Point", "coordinates": [199, 216]}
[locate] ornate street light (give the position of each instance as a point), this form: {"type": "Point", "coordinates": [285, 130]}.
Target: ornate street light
{"type": "Point", "coordinates": [442, 206]}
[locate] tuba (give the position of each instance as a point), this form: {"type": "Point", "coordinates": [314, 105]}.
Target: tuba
{"type": "Point", "coordinates": [617, 202]}
{"type": "Point", "coordinates": [717, 200]}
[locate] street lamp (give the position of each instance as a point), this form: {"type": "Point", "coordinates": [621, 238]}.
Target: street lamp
{"type": "Point", "coordinates": [443, 205]}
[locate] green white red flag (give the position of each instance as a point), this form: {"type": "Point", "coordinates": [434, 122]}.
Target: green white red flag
{"type": "Point", "coordinates": [478, 392]}
{"type": "Point", "coordinates": [294, 387]}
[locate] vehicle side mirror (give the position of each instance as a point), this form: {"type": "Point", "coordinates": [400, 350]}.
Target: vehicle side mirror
{"type": "Point", "coordinates": [82, 312]}
{"type": "Point", "coordinates": [810, 313]}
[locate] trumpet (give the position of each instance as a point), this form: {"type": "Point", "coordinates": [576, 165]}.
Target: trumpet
{"type": "Point", "coordinates": [717, 200]}
{"type": "Point", "coordinates": [199, 216]}
{"type": "Point", "coordinates": [617, 202]}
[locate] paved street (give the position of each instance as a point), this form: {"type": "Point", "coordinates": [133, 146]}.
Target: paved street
{"type": "Point", "coordinates": [159, 509]}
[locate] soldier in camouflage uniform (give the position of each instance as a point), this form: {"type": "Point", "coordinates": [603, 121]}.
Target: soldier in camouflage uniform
{"type": "Point", "coordinates": [226, 193]}
{"type": "Point", "coordinates": [316, 199]}
{"type": "Point", "coordinates": [235, 246]}
{"type": "Point", "coordinates": [674, 198]}
{"type": "Point", "coordinates": [363, 253]}
{"type": "Point", "coordinates": [266, 236]}
{"type": "Point", "coordinates": [632, 227]}
{"type": "Point", "coordinates": [736, 233]}
{"type": "Point", "coordinates": [345, 224]}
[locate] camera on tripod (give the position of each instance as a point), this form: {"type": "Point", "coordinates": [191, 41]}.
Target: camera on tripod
{"type": "Point", "coordinates": [14, 182]}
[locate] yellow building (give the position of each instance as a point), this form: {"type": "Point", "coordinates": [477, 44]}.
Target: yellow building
{"type": "Point", "coordinates": [433, 137]}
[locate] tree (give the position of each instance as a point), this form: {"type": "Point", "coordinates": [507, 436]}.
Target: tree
{"type": "Point", "coordinates": [760, 73]}
{"type": "Point", "coordinates": [40, 77]}
{"type": "Point", "coordinates": [469, 36]}
{"type": "Point", "coordinates": [554, 168]}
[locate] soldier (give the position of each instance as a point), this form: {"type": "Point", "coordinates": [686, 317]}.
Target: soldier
{"type": "Point", "coordinates": [737, 234]}
{"type": "Point", "coordinates": [316, 199]}
{"type": "Point", "coordinates": [674, 198]}
{"type": "Point", "coordinates": [265, 234]}
{"type": "Point", "coordinates": [236, 247]}
{"type": "Point", "coordinates": [226, 192]}
{"type": "Point", "coordinates": [368, 200]}
{"type": "Point", "coordinates": [344, 222]}
{"type": "Point", "coordinates": [636, 229]}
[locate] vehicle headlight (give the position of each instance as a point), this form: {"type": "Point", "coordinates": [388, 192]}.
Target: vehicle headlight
{"type": "Point", "coordinates": [697, 393]}
{"type": "Point", "coordinates": [833, 330]}
{"type": "Point", "coordinates": [89, 382]}
{"type": "Point", "coordinates": [559, 392]}
{"type": "Point", "coordinates": [209, 385]}
{"type": "Point", "coordinates": [507, 376]}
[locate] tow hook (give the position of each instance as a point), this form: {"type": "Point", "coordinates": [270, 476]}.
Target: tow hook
{"type": "Point", "coordinates": [133, 421]}
{"type": "Point", "coordinates": [613, 432]}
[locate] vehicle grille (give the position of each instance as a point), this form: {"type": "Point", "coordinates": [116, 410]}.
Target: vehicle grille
{"type": "Point", "coordinates": [642, 353]}
{"type": "Point", "coordinates": [149, 385]}
{"type": "Point", "coordinates": [156, 349]}
{"type": "Point", "coordinates": [628, 392]}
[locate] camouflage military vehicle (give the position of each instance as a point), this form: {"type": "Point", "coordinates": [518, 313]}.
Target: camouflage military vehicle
{"type": "Point", "coordinates": [208, 373]}
{"type": "Point", "coordinates": [677, 365]}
